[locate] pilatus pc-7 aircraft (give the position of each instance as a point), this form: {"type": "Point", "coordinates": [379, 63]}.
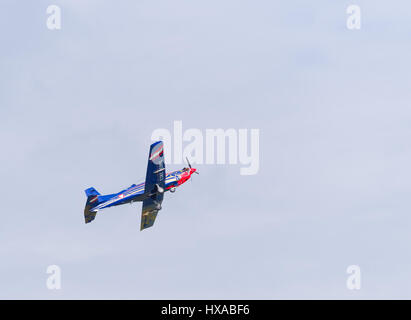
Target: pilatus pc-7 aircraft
{"type": "Point", "coordinates": [150, 192]}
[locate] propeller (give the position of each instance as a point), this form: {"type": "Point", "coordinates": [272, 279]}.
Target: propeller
{"type": "Point", "coordinates": [189, 164]}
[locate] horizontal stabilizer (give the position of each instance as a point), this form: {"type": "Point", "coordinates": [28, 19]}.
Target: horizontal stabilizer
{"type": "Point", "coordinates": [92, 201]}
{"type": "Point", "coordinates": [89, 215]}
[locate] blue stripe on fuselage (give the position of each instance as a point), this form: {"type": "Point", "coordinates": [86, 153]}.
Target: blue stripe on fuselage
{"type": "Point", "coordinates": [132, 193]}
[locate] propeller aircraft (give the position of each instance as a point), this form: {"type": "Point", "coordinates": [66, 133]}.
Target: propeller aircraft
{"type": "Point", "coordinates": [150, 192]}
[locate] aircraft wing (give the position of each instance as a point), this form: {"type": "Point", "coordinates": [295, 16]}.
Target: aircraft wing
{"type": "Point", "coordinates": [154, 185]}
{"type": "Point", "coordinates": [149, 213]}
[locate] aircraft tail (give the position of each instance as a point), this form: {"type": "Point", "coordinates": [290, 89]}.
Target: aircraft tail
{"type": "Point", "coordinates": [92, 201]}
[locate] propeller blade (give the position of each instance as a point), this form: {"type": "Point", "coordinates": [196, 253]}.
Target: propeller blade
{"type": "Point", "coordinates": [189, 164]}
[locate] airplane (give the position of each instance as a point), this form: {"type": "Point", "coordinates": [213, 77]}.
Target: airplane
{"type": "Point", "coordinates": [150, 192]}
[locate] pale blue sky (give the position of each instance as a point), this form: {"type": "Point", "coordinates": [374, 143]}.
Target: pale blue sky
{"type": "Point", "coordinates": [78, 106]}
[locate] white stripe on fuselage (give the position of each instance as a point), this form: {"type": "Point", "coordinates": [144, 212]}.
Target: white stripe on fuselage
{"type": "Point", "coordinates": [170, 178]}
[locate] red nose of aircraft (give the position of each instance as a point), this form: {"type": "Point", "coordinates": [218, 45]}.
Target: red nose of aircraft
{"type": "Point", "coordinates": [192, 170]}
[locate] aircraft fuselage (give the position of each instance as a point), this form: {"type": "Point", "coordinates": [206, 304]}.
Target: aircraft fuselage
{"type": "Point", "coordinates": [138, 193]}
